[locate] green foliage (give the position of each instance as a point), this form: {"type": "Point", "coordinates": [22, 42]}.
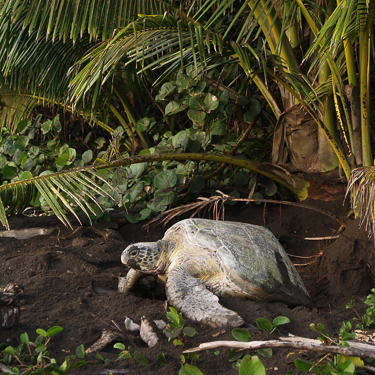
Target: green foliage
{"type": "Point", "coordinates": [340, 365]}
{"type": "Point", "coordinates": [176, 328]}
{"type": "Point", "coordinates": [241, 334]}
{"type": "Point", "coordinates": [266, 326]}
{"type": "Point", "coordinates": [369, 317]}
{"type": "Point", "coordinates": [35, 359]}
{"type": "Point", "coordinates": [189, 370]}
{"type": "Point", "coordinates": [251, 365]}
{"type": "Point", "coordinates": [328, 365]}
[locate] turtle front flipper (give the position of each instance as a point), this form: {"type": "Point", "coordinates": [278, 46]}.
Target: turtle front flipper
{"type": "Point", "coordinates": [190, 296]}
{"type": "Point", "coordinates": [125, 284]}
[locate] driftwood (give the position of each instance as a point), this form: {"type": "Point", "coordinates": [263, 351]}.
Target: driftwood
{"type": "Point", "coordinates": [356, 349]}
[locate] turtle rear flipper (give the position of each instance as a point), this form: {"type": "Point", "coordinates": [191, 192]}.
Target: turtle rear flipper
{"type": "Point", "coordinates": [189, 295]}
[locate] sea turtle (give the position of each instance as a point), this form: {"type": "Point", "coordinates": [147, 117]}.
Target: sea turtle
{"type": "Point", "coordinates": [201, 259]}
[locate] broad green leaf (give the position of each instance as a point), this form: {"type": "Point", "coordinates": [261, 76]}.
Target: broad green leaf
{"type": "Point", "coordinates": [234, 355]}
{"type": "Point", "coordinates": [40, 348]}
{"type": "Point", "coordinates": [156, 206]}
{"type": "Point", "coordinates": [210, 102]}
{"type": "Point", "coordinates": [172, 106]}
{"type": "Point", "coordinates": [251, 366]}
{"type": "Point", "coordinates": [87, 156]}
{"type": "Point", "coordinates": [198, 184]}
{"type": "Point", "coordinates": [119, 177]}
{"type": "Point", "coordinates": [271, 188]}
{"type": "Point", "coordinates": [125, 354]}
{"type": "Point", "coordinates": [174, 316]}
{"type": "Point", "coordinates": [266, 352]}
{"type": "Point", "coordinates": [17, 157]}
{"type": "Point", "coordinates": [119, 345]}
{"type": "Point", "coordinates": [165, 90]}
{"type": "Point", "coordinates": [347, 366]}
{"type": "Point", "coordinates": [264, 325]}
{"type": "Point", "coordinates": [137, 169]}
{"type": "Point", "coordinates": [193, 356]}
{"type": "Point", "coordinates": [165, 179]}
{"type": "Point", "coordinates": [25, 175]}
{"type": "Point", "coordinates": [145, 213]}
{"type": "Point", "coordinates": [25, 338]}
{"type": "Point", "coordinates": [257, 195]}
{"type": "Point", "coordinates": [196, 103]}
{"type": "Point", "coordinates": [46, 126]}
{"type": "Point", "coordinates": [242, 100]}
{"type": "Point", "coordinates": [9, 171]}
{"type": "Point", "coordinates": [72, 153]}
{"type": "Point", "coordinates": [198, 88]}
{"type": "Point", "coordinates": [161, 359]}
{"type": "Point", "coordinates": [303, 365]}
{"type": "Point", "coordinates": [53, 331]}
{"type": "Point", "coordinates": [189, 370]}
{"type": "Point", "coordinates": [358, 362]}
{"type": "Point", "coordinates": [80, 351]}
{"type": "Point", "coordinates": [183, 80]}
{"type": "Point", "coordinates": [279, 320]}
{"type": "Point", "coordinates": [22, 125]}
{"type": "Point", "coordinates": [65, 366]}
{"type": "Point", "coordinates": [9, 350]}
{"type": "Point", "coordinates": [165, 197]}
{"type": "Point", "coordinates": [177, 342]}
{"type": "Point", "coordinates": [51, 143]}
{"type": "Point", "coordinates": [140, 359]}
{"type": "Point", "coordinates": [174, 333]}
{"type": "Point", "coordinates": [189, 331]}
{"type": "Point", "coordinates": [241, 178]}
{"type": "Point", "coordinates": [144, 124]}
{"type": "Point", "coordinates": [56, 123]}
{"type": "Point", "coordinates": [318, 328]}
{"type": "Point", "coordinates": [100, 141]}
{"type": "Point", "coordinates": [241, 334]}
{"type": "Point", "coordinates": [28, 164]}
{"type": "Point", "coordinates": [196, 116]}
{"type": "Point", "coordinates": [3, 161]}
{"type": "Point", "coordinates": [62, 160]}
{"type": "Point", "coordinates": [254, 107]}
{"type": "Point", "coordinates": [181, 139]}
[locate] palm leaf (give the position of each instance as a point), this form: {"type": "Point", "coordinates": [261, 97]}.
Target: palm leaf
{"type": "Point", "coordinates": [15, 107]}
{"type": "Point", "coordinates": [78, 183]}
{"type": "Point", "coordinates": [70, 19]}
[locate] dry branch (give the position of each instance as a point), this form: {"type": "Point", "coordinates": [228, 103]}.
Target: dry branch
{"type": "Point", "coordinates": [356, 349]}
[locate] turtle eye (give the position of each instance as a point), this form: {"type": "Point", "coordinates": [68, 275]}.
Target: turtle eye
{"type": "Point", "coordinates": [134, 252]}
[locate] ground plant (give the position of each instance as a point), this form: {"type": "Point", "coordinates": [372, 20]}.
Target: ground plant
{"type": "Point", "coordinates": [32, 358]}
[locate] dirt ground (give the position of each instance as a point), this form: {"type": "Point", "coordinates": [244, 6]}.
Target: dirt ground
{"type": "Point", "coordinates": [70, 279]}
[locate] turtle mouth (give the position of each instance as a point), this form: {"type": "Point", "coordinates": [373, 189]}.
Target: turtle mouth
{"type": "Point", "coordinates": [133, 264]}
{"type": "Point", "coordinates": [158, 270]}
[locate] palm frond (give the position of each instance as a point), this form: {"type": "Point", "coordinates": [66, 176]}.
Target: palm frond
{"type": "Point", "coordinates": [14, 107]}
{"type": "Point", "coordinates": [71, 19]}
{"type": "Point", "coordinates": [66, 190]}
{"type": "Point", "coordinates": [361, 188]}
{"type": "Point", "coordinates": [33, 65]}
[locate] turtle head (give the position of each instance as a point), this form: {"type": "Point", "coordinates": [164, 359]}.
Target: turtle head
{"type": "Point", "coordinates": [143, 256]}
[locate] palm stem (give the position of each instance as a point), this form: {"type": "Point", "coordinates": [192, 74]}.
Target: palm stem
{"type": "Point", "coordinates": [131, 116]}
{"type": "Point", "coordinates": [364, 53]}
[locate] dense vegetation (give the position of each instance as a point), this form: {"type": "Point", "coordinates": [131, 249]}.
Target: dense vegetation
{"type": "Point", "coordinates": [201, 81]}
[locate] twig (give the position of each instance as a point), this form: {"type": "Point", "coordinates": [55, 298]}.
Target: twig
{"type": "Point", "coordinates": [4, 368]}
{"type": "Point", "coordinates": [321, 238]}
{"type": "Point", "coordinates": [127, 336]}
{"type": "Point", "coordinates": [355, 349]}
{"type": "Point", "coordinates": [166, 216]}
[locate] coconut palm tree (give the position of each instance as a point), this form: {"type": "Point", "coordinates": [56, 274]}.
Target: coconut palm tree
{"type": "Point", "coordinates": [100, 44]}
